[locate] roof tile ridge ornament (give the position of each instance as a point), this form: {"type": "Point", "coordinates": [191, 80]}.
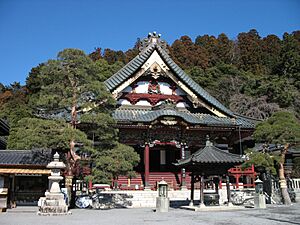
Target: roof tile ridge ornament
{"type": "Point", "coordinates": [208, 142]}
{"type": "Point", "coordinates": [166, 104]}
{"type": "Point", "coordinates": [153, 39]}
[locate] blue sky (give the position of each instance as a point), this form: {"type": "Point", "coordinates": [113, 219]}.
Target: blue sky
{"type": "Point", "coordinates": [33, 31]}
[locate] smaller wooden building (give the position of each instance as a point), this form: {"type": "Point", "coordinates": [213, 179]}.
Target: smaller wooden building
{"type": "Point", "coordinates": [25, 175]}
{"type": "Point", "coordinates": [209, 161]}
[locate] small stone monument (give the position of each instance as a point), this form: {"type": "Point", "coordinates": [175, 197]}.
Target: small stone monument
{"type": "Point", "coordinates": [162, 201]}
{"type": "Point", "coordinates": [54, 202]}
{"type": "Point", "coordinates": [259, 199]}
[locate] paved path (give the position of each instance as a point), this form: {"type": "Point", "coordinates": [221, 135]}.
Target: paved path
{"type": "Point", "coordinates": [273, 215]}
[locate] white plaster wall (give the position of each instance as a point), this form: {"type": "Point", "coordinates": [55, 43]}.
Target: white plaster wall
{"type": "Point", "coordinates": [165, 88]}
{"type": "Point", "coordinates": [142, 87]}
{"type": "Point", "coordinates": [123, 102]}
{"type": "Point", "coordinates": [181, 105]}
{"type": "Point", "coordinates": [143, 103]}
{"type": "Point", "coordinates": [140, 102]}
{"type": "Point", "coordinates": [159, 103]}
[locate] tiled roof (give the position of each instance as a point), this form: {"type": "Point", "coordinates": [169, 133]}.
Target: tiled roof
{"type": "Point", "coordinates": [129, 69]}
{"type": "Point", "coordinates": [211, 155]}
{"type": "Point", "coordinates": [3, 142]}
{"type": "Point", "coordinates": [4, 127]}
{"type": "Point", "coordinates": [147, 115]}
{"type": "Point", "coordinates": [25, 157]}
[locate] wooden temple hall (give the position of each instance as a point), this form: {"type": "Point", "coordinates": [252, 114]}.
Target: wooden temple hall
{"type": "Point", "coordinates": [166, 116]}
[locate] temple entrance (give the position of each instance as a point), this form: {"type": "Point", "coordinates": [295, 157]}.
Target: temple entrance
{"type": "Point", "coordinates": [161, 158]}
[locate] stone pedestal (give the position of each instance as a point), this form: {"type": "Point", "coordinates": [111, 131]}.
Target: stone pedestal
{"type": "Point", "coordinates": [54, 203]}
{"type": "Point", "coordinates": [162, 204]}
{"type": "Point", "coordinates": [260, 201]}
{"type": "Point", "coordinates": [183, 188]}
{"type": "Point", "coordinates": [201, 205]}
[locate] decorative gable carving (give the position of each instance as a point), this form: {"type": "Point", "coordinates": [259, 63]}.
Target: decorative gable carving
{"type": "Point", "coordinates": [155, 62]}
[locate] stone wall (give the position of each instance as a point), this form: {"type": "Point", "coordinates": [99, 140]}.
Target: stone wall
{"type": "Point", "coordinates": [140, 199]}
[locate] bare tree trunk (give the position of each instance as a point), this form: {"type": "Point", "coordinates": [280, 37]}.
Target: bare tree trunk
{"type": "Point", "coordinates": [71, 156]}
{"type": "Point", "coordinates": [282, 180]}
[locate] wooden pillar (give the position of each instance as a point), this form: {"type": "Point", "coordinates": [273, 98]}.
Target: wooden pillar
{"type": "Point", "coordinates": [237, 179]}
{"type": "Point", "coordinates": [183, 174]}
{"type": "Point", "coordinates": [146, 163]}
{"type": "Point", "coordinates": [216, 182]}
{"type": "Point", "coordinates": [201, 192]}
{"type": "Point", "coordinates": [90, 184]}
{"type": "Point", "coordinates": [13, 190]}
{"type": "Point", "coordinates": [220, 183]}
{"type": "Point", "coordinates": [192, 189]}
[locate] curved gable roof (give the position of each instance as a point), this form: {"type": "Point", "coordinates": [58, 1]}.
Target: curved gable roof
{"type": "Point", "coordinates": [144, 115]}
{"type": "Point", "coordinates": [211, 155]}
{"type": "Point", "coordinates": [129, 69]}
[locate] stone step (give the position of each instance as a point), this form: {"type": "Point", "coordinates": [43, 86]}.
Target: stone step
{"type": "Point", "coordinates": [23, 209]}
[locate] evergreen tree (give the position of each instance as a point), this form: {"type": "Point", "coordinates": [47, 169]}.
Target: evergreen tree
{"type": "Point", "coordinates": [187, 54]}
{"type": "Point", "coordinates": [30, 133]}
{"type": "Point", "coordinates": [250, 52]}
{"type": "Point", "coordinates": [13, 103]}
{"type": "Point", "coordinates": [70, 89]}
{"type": "Point", "coordinates": [225, 49]}
{"type": "Point", "coordinates": [271, 48]}
{"type": "Point", "coordinates": [210, 44]}
{"type": "Point", "coordinates": [282, 128]}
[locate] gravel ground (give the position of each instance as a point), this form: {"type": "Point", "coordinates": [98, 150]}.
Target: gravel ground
{"type": "Point", "coordinates": [271, 216]}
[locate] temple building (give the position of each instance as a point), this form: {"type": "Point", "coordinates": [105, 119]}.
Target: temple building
{"type": "Point", "coordinates": [165, 116]}
{"type": "Point", "coordinates": [25, 175]}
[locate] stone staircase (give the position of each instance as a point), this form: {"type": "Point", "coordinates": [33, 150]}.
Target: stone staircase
{"type": "Point", "coordinates": [137, 183]}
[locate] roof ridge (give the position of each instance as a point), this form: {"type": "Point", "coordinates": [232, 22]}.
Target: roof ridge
{"type": "Point", "coordinates": [224, 152]}
{"type": "Point", "coordinates": [14, 150]}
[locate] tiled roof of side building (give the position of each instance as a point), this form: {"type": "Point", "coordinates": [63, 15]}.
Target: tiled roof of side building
{"type": "Point", "coordinates": [4, 127]}
{"type": "Point", "coordinates": [3, 142]}
{"type": "Point", "coordinates": [129, 69]}
{"type": "Point", "coordinates": [139, 115]}
{"type": "Point", "coordinates": [25, 157]}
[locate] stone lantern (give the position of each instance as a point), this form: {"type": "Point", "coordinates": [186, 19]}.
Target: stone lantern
{"type": "Point", "coordinates": [259, 199]}
{"type": "Point", "coordinates": [162, 201]}
{"type": "Point", "coordinates": [54, 202]}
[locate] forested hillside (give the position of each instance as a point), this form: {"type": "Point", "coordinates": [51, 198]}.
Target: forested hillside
{"type": "Point", "coordinates": [252, 75]}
